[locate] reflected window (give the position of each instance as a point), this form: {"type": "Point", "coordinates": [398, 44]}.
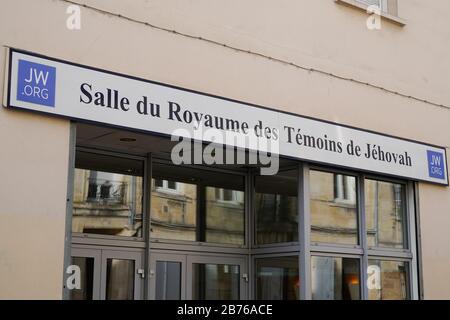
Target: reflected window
{"type": "Point", "coordinates": [387, 280]}
{"type": "Point", "coordinates": [344, 188]}
{"type": "Point", "coordinates": [197, 205]}
{"type": "Point", "coordinates": [85, 291]}
{"type": "Point", "coordinates": [215, 281]}
{"type": "Point", "coordinates": [229, 195]}
{"type": "Point", "coordinates": [385, 214]}
{"type": "Point", "coordinates": [333, 205]}
{"type": "Point", "coordinates": [107, 195]}
{"type": "Point", "coordinates": [277, 278]}
{"type": "Point", "coordinates": [166, 185]}
{"type": "Point", "coordinates": [335, 278]}
{"type": "Point", "coordinates": [275, 204]}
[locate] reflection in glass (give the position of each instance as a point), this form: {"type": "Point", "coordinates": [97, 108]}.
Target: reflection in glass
{"type": "Point", "coordinates": [215, 281]}
{"type": "Point", "coordinates": [174, 210]}
{"type": "Point", "coordinates": [277, 278]}
{"type": "Point", "coordinates": [196, 205]}
{"type": "Point", "coordinates": [333, 208]}
{"type": "Point", "coordinates": [85, 291]}
{"type": "Point", "coordinates": [225, 215]}
{"type": "Point", "coordinates": [387, 280]}
{"type": "Point", "coordinates": [119, 279]}
{"type": "Point", "coordinates": [168, 280]}
{"type": "Point", "coordinates": [275, 205]}
{"type": "Point", "coordinates": [107, 195]}
{"type": "Point", "coordinates": [385, 214]}
{"type": "Point", "coordinates": [334, 278]}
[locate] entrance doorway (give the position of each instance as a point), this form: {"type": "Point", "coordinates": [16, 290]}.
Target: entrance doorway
{"type": "Point", "coordinates": [198, 277]}
{"type": "Point", "coordinates": [108, 274]}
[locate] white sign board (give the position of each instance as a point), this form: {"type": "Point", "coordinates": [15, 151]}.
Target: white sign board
{"type": "Point", "coordinates": [66, 89]}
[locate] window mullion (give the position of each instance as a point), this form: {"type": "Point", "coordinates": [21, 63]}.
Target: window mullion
{"type": "Point", "coordinates": [411, 231]}
{"type": "Point", "coordinates": [304, 232]}
{"type": "Point", "coordinates": [363, 237]}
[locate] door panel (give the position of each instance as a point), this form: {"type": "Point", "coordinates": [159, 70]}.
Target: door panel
{"type": "Point", "coordinates": [121, 275]}
{"type": "Point", "coordinates": [181, 276]}
{"type": "Point", "coordinates": [108, 274]}
{"type": "Point", "coordinates": [216, 278]}
{"type": "Point", "coordinates": [88, 260]}
{"type": "Point", "coordinates": [167, 276]}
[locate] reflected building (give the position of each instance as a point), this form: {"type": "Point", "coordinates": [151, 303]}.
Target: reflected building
{"type": "Point", "coordinates": [275, 207]}
{"type": "Point", "coordinates": [107, 203]}
{"type": "Point", "coordinates": [202, 207]}
{"type": "Point", "coordinates": [335, 220]}
{"type": "Point", "coordinates": [333, 206]}
{"type": "Point", "coordinates": [173, 210]}
{"type": "Point", "coordinates": [385, 214]}
{"type": "Point", "coordinates": [191, 205]}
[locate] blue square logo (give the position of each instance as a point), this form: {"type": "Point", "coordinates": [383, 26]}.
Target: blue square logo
{"type": "Point", "coordinates": [36, 83]}
{"type": "Point", "coordinates": [435, 164]}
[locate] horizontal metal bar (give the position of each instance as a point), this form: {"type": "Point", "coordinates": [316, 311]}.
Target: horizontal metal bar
{"type": "Point", "coordinates": [108, 242]}
{"type": "Point", "coordinates": [336, 250]}
{"type": "Point", "coordinates": [197, 248]}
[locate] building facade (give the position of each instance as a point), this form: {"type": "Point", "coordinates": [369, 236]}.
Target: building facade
{"type": "Point", "coordinates": [85, 194]}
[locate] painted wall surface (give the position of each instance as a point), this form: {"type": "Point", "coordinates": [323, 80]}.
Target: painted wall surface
{"type": "Point", "coordinates": [33, 188]}
{"type": "Point", "coordinates": [315, 34]}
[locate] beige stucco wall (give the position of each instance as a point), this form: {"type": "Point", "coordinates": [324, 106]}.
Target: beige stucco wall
{"type": "Point", "coordinates": [317, 34]}
{"type": "Point", "coordinates": [33, 171]}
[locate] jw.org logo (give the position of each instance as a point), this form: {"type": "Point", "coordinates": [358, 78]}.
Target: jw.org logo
{"type": "Point", "coordinates": [36, 83]}
{"type": "Point", "coordinates": [436, 164]}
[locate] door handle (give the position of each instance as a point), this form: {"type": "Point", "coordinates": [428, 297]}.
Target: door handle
{"type": "Point", "coordinates": [245, 277]}
{"type": "Point", "coordinates": [141, 272]}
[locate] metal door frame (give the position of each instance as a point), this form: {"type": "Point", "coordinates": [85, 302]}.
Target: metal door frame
{"type": "Point", "coordinates": [100, 255]}
{"type": "Point", "coordinates": [123, 255]}
{"type": "Point", "coordinates": [96, 255]}
{"type": "Point", "coordinates": [242, 262]}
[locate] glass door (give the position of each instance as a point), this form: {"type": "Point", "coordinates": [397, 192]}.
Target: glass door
{"type": "Point", "coordinates": [122, 275]}
{"type": "Point", "coordinates": [108, 274]}
{"type": "Point", "coordinates": [216, 278]}
{"type": "Point", "coordinates": [88, 262]}
{"type": "Point", "coordinates": [187, 276]}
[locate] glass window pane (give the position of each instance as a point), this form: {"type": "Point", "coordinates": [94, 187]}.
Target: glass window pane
{"type": "Point", "coordinates": [174, 216]}
{"type": "Point", "coordinates": [225, 210]}
{"type": "Point", "coordinates": [334, 278]}
{"type": "Point", "coordinates": [215, 281]}
{"type": "Point", "coordinates": [119, 279]}
{"type": "Point", "coordinates": [168, 280]}
{"type": "Point", "coordinates": [333, 205]}
{"type": "Point", "coordinates": [107, 195]}
{"type": "Point", "coordinates": [385, 214]}
{"type": "Point", "coordinates": [277, 278]}
{"type": "Point", "coordinates": [198, 205]}
{"type": "Point", "coordinates": [86, 266]}
{"type": "Point", "coordinates": [275, 204]}
{"type": "Point", "coordinates": [173, 210]}
{"type": "Point", "coordinates": [388, 280]}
